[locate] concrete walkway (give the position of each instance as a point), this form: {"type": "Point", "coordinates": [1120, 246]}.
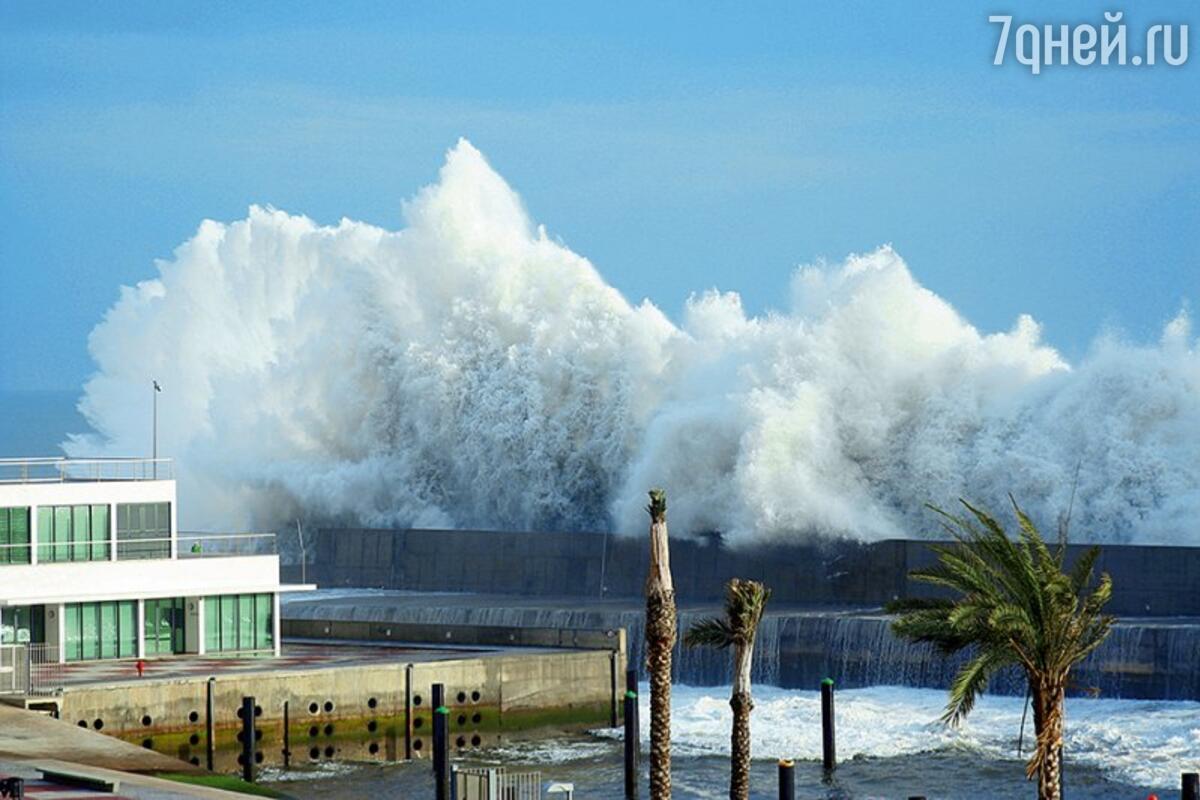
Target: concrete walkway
{"type": "Point", "coordinates": [29, 740]}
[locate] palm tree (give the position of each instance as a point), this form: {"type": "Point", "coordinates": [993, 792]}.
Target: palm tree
{"type": "Point", "coordinates": [744, 604]}
{"type": "Point", "coordinates": [660, 641]}
{"type": "Point", "coordinates": [1014, 606]}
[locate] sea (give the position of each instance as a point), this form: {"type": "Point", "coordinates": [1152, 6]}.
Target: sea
{"type": "Point", "coordinates": [890, 745]}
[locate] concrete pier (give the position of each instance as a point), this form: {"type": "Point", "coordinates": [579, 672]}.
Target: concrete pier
{"type": "Point", "coordinates": [364, 697]}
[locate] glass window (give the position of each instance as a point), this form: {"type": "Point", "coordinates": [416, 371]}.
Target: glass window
{"type": "Point", "coordinates": [18, 532]}
{"type": "Point", "coordinates": [229, 622]}
{"type": "Point", "coordinates": [80, 536]}
{"type": "Point", "coordinates": [143, 530]}
{"type": "Point", "coordinates": [127, 628]}
{"type": "Point", "coordinates": [5, 550]}
{"type": "Point", "coordinates": [108, 630]}
{"type": "Point", "coordinates": [264, 622]}
{"type": "Point", "coordinates": [62, 534]}
{"type": "Point", "coordinates": [212, 624]}
{"type": "Point", "coordinates": [99, 533]}
{"type": "Point", "coordinates": [246, 622]}
{"type": "Point", "coordinates": [89, 636]}
{"type": "Point", "coordinates": [71, 647]}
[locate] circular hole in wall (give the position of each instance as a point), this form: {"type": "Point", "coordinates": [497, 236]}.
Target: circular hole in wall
{"type": "Point", "coordinates": [416, 699]}
{"type": "Point", "coordinates": [373, 748]}
{"type": "Point", "coordinates": [476, 717]}
{"type": "Point", "coordinates": [240, 713]}
{"type": "Point", "coordinates": [462, 697]}
{"type": "Point", "coordinates": [195, 761]}
{"type": "Point", "coordinates": [241, 759]}
{"type": "Point", "coordinates": [258, 711]}
{"type": "Point", "coordinates": [475, 696]}
{"type": "Point", "coordinates": [462, 720]}
{"type": "Point", "coordinates": [258, 757]}
{"type": "Point", "coordinates": [194, 716]}
{"type": "Point", "coordinates": [329, 730]}
{"type": "Point", "coordinates": [98, 724]}
{"type": "Point", "coordinates": [417, 744]}
{"type": "Point", "coordinates": [418, 722]}
{"type": "Point", "coordinates": [329, 751]}
{"type": "Point", "coordinates": [148, 744]}
{"type": "Point", "coordinates": [146, 720]}
{"type": "Point", "coordinates": [313, 708]}
{"type": "Point", "coordinates": [194, 739]}
{"type": "Point", "coordinates": [460, 743]}
{"type": "Point", "coordinates": [314, 730]}
{"type": "Point", "coordinates": [371, 703]}
{"type": "Point", "coordinates": [314, 753]}
{"type": "Point", "coordinates": [475, 740]}
{"type": "Point", "coordinates": [372, 726]}
{"type": "Point", "coordinates": [82, 723]}
{"type": "Point", "coordinates": [328, 706]}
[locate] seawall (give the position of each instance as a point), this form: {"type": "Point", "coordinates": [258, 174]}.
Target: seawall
{"type": "Point", "coordinates": [1149, 580]}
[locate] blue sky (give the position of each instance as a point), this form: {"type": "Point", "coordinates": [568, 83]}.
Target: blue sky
{"type": "Point", "coordinates": [679, 148]}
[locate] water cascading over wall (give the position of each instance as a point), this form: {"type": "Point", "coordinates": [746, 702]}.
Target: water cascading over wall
{"type": "Point", "coordinates": [1159, 660]}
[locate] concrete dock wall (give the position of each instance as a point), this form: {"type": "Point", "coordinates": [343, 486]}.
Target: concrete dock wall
{"type": "Point", "coordinates": [377, 711]}
{"type": "Point", "coordinates": [1148, 580]}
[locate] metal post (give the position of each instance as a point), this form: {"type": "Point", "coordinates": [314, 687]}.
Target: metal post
{"type": "Point", "coordinates": [612, 685]}
{"type": "Point", "coordinates": [632, 735]}
{"type": "Point", "coordinates": [209, 744]}
{"type": "Point", "coordinates": [441, 743]}
{"type": "Point", "coordinates": [287, 737]}
{"type": "Point", "coordinates": [787, 779]}
{"type": "Point", "coordinates": [248, 739]}
{"type": "Point", "coordinates": [1190, 786]}
{"type": "Point", "coordinates": [154, 446]}
{"type": "Point", "coordinates": [828, 738]}
{"type": "Point", "coordinates": [408, 712]}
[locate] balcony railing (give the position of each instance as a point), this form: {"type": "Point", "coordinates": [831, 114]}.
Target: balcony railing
{"type": "Point", "coordinates": [72, 470]}
{"type": "Point", "coordinates": [193, 544]}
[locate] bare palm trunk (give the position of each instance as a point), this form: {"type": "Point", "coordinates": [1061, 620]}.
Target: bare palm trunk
{"type": "Point", "coordinates": [739, 745]}
{"type": "Point", "coordinates": [1048, 713]}
{"type": "Point", "coordinates": [660, 642]}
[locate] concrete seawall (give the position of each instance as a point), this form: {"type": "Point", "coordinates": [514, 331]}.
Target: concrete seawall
{"type": "Point", "coordinates": [1148, 580]}
{"type": "Point", "coordinates": [373, 711]}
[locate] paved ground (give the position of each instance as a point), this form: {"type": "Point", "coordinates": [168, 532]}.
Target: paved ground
{"type": "Point", "coordinates": [296, 656]}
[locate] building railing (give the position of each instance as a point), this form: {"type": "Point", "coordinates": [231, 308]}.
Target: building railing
{"type": "Point", "coordinates": [189, 545]}
{"type": "Point", "coordinates": [30, 668]}
{"type": "Point", "coordinates": [73, 470]}
{"type": "Point", "coordinates": [488, 783]}
{"type": "Point", "coordinates": [196, 544]}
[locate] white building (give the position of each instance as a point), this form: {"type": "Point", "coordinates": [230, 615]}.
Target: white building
{"type": "Point", "coordinates": [92, 566]}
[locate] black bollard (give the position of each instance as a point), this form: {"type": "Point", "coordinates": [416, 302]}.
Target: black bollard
{"type": "Point", "coordinates": [632, 735]}
{"type": "Point", "coordinates": [287, 737]}
{"type": "Point", "coordinates": [209, 744]}
{"type": "Point", "coordinates": [787, 779]}
{"type": "Point", "coordinates": [1190, 786]}
{"type": "Point", "coordinates": [828, 738]}
{"type": "Point", "coordinates": [441, 743]}
{"type": "Point", "coordinates": [248, 739]}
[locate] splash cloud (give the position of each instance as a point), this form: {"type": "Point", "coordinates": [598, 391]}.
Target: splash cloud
{"type": "Point", "coordinates": [469, 371]}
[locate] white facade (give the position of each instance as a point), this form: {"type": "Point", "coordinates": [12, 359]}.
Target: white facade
{"type": "Point", "coordinates": [84, 575]}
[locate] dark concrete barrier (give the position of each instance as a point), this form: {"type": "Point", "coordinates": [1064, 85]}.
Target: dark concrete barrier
{"type": "Point", "coordinates": [465, 635]}
{"type": "Point", "coordinates": [1149, 580]}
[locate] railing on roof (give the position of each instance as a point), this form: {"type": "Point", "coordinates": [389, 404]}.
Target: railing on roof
{"type": "Point", "coordinates": [196, 544]}
{"type": "Point", "coordinates": [73, 470]}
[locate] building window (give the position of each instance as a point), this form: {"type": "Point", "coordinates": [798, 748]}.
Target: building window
{"type": "Point", "coordinates": [14, 535]}
{"type": "Point", "coordinates": [143, 530]}
{"type": "Point", "coordinates": [73, 533]}
{"type": "Point", "coordinates": [22, 625]}
{"type": "Point", "coordinates": [163, 632]}
{"type": "Point", "coordinates": [100, 630]}
{"type": "Point", "coordinates": [239, 623]}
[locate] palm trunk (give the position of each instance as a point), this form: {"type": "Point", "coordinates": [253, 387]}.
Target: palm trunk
{"type": "Point", "coordinates": [739, 744]}
{"type": "Point", "coordinates": [660, 642]}
{"type": "Point", "coordinates": [1048, 712]}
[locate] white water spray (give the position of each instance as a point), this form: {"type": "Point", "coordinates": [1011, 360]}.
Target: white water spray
{"type": "Point", "coordinates": [469, 371]}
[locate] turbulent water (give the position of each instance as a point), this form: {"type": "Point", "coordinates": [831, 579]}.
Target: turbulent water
{"type": "Point", "coordinates": [470, 370]}
{"type": "Point", "coordinates": [889, 746]}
